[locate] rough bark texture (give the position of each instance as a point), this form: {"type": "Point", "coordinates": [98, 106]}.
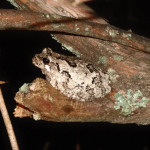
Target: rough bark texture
{"type": "Point", "coordinates": [49, 104]}
{"type": "Point", "coordinates": [127, 63]}
{"type": "Point", "coordinates": [25, 20]}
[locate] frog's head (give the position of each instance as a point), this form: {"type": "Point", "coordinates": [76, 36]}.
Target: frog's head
{"type": "Point", "coordinates": [45, 61]}
{"type": "Point", "coordinates": [42, 59]}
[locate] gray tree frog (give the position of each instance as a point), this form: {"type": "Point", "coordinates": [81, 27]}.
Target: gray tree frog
{"type": "Point", "coordinates": [75, 78]}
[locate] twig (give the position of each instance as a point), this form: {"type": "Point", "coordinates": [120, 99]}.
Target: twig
{"type": "Point", "coordinates": [77, 147]}
{"type": "Point", "coordinates": [8, 124]}
{"type": "Point", "coordinates": [2, 82]}
{"type": "Point", "coordinates": [25, 20]}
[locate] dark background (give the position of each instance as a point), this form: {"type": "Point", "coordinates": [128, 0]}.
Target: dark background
{"type": "Point", "coordinates": [16, 51]}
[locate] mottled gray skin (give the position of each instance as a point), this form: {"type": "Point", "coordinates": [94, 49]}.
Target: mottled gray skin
{"type": "Point", "coordinates": [73, 77]}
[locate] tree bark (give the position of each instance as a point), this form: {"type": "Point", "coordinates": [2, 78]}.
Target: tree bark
{"type": "Point", "coordinates": [123, 55]}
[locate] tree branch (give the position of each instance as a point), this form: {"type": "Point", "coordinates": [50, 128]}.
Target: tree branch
{"type": "Point", "coordinates": [117, 52]}
{"type": "Point", "coordinates": [7, 121]}
{"type": "Point", "coordinates": [24, 20]}
{"type": "Point", "coordinates": [47, 103]}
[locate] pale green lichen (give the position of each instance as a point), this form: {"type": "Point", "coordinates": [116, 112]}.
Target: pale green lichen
{"type": "Point", "coordinates": [36, 116]}
{"type": "Point", "coordinates": [55, 38]}
{"type": "Point", "coordinates": [112, 32]}
{"type": "Point", "coordinates": [118, 57]}
{"type": "Point", "coordinates": [130, 101]}
{"type": "Point", "coordinates": [130, 30]}
{"type": "Point", "coordinates": [127, 35]}
{"type": "Point", "coordinates": [14, 4]}
{"type": "Point", "coordinates": [112, 74]}
{"type": "Point", "coordinates": [76, 27]}
{"type": "Point", "coordinates": [103, 60]}
{"type": "Point", "coordinates": [66, 47]}
{"type": "Point", "coordinates": [55, 16]}
{"type": "Point", "coordinates": [50, 98]}
{"type": "Point", "coordinates": [135, 78]}
{"type": "Point", "coordinates": [139, 77]}
{"type": "Point", "coordinates": [87, 29]}
{"type": "Point", "coordinates": [47, 16]}
{"type": "Point", "coordinates": [24, 88]}
{"type": "Point", "coordinates": [57, 25]}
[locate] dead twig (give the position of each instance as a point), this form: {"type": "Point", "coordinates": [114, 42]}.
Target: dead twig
{"type": "Point", "coordinates": [2, 82]}
{"type": "Point", "coordinates": [7, 121]}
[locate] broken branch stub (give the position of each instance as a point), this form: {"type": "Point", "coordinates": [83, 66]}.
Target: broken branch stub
{"type": "Point", "coordinates": [46, 103]}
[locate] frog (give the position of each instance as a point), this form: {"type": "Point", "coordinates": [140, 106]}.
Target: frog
{"type": "Point", "coordinates": [72, 76]}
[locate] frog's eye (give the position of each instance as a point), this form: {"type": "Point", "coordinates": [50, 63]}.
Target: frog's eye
{"type": "Point", "coordinates": [45, 60]}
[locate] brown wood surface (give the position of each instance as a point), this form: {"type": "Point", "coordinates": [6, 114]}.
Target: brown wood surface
{"type": "Point", "coordinates": [124, 55]}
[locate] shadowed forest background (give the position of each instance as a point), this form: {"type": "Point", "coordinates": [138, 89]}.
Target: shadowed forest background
{"type": "Point", "coordinates": [16, 68]}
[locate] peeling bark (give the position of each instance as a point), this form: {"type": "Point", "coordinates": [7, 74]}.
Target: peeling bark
{"type": "Point", "coordinates": [123, 55]}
